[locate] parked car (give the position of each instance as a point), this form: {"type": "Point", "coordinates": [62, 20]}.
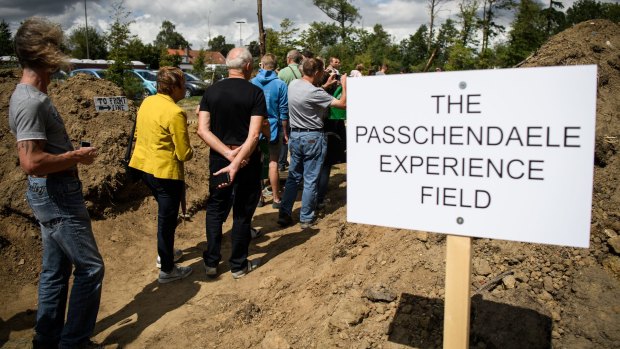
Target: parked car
{"type": "Point", "coordinates": [150, 75]}
{"type": "Point", "coordinates": [96, 72]}
{"type": "Point", "coordinates": [148, 82]}
{"type": "Point", "coordinates": [59, 76]}
{"type": "Point", "coordinates": [194, 86]}
{"type": "Point", "coordinates": [148, 87]}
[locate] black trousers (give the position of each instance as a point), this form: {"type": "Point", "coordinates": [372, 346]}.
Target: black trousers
{"type": "Point", "coordinates": [242, 196]}
{"type": "Point", "coordinates": [168, 193]}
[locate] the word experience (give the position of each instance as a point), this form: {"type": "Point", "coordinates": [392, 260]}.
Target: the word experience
{"type": "Point", "coordinates": [509, 165]}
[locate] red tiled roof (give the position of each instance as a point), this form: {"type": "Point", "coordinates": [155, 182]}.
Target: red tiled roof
{"type": "Point", "coordinates": [211, 57]}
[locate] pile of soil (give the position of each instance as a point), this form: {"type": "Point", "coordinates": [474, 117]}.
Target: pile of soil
{"type": "Point", "coordinates": [107, 190]}
{"type": "Point", "coordinates": [338, 284]}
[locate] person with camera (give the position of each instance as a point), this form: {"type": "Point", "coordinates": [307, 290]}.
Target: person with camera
{"type": "Point", "coordinates": [162, 146]}
{"type": "Point", "coordinates": [55, 195]}
{"type": "Point", "coordinates": [231, 117]}
{"type": "Point", "coordinates": [334, 65]}
{"type": "Point", "coordinates": [308, 104]}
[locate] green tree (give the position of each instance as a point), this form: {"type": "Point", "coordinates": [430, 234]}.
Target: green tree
{"type": "Point", "coordinates": [254, 48]}
{"type": "Point", "coordinates": [168, 60]}
{"type": "Point", "coordinates": [528, 31]}
{"type": "Point", "coordinates": [468, 22]}
{"type": "Point", "coordinates": [487, 22]}
{"type": "Point", "coordinates": [147, 54]}
{"type": "Point", "coordinates": [414, 49]}
{"type": "Point", "coordinates": [555, 18]}
{"type": "Point", "coordinates": [219, 44]}
{"type": "Point", "coordinates": [434, 6]}
{"type": "Point", "coordinates": [199, 63]}
{"type": "Point", "coordinates": [273, 45]}
{"type": "Point", "coordinates": [168, 37]}
{"type": "Point", "coordinates": [460, 58]}
{"type": "Point", "coordinates": [340, 11]}
{"type": "Point", "coordinates": [288, 33]}
{"type": "Point", "coordinates": [118, 40]}
{"type": "Point", "coordinates": [318, 36]}
{"type": "Point", "coordinates": [96, 43]}
{"type": "Point", "coordinates": [448, 35]}
{"type": "Point", "coordinates": [611, 11]}
{"type": "Point", "coordinates": [6, 43]}
{"type": "Point", "coordinates": [377, 45]}
{"type": "Point", "coordinates": [272, 40]}
{"type": "Point", "coordinates": [583, 10]}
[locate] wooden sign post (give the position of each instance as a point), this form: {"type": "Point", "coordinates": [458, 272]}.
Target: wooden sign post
{"type": "Point", "coordinates": [457, 300]}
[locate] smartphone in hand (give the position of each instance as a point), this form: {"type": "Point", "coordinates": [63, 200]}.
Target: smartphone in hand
{"type": "Point", "coordinates": [84, 144]}
{"type": "Point", "coordinates": [222, 178]}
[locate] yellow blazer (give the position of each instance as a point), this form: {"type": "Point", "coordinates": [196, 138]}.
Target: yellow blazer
{"type": "Point", "coordinates": [162, 139]}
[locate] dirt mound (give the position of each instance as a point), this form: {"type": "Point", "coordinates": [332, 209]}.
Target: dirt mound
{"type": "Point", "coordinates": [597, 42]}
{"type": "Point", "coordinates": [591, 42]}
{"type": "Point", "coordinates": [106, 189]}
{"type": "Point", "coordinates": [108, 131]}
{"type": "Point", "coordinates": [105, 185]}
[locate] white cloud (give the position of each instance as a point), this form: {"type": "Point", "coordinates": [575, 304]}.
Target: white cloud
{"type": "Point", "coordinates": [197, 20]}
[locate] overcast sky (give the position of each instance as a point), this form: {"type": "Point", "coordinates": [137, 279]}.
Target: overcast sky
{"type": "Point", "coordinates": [198, 20]}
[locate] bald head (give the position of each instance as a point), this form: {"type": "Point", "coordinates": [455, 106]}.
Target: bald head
{"type": "Point", "coordinates": [238, 58]}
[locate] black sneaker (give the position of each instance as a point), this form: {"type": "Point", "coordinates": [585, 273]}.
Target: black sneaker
{"type": "Point", "coordinates": [177, 273]}
{"type": "Point", "coordinates": [211, 271]}
{"type": "Point", "coordinates": [251, 265]}
{"type": "Point", "coordinates": [261, 202]}
{"type": "Point", "coordinates": [284, 219]}
{"type": "Point", "coordinates": [256, 233]}
{"type": "Point", "coordinates": [309, 224]}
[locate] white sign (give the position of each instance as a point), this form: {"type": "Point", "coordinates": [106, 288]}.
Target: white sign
{"type": "Point", "coordinates": [111, 103]}
{"type": "Point", "coordinates": [503, 154]}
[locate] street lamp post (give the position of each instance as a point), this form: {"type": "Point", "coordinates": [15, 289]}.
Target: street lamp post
{"type": "Point", "coordinates": [240, 40]}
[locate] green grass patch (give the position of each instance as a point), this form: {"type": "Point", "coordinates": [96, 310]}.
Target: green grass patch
{"type": "Point", "coordinates": [188, 102]}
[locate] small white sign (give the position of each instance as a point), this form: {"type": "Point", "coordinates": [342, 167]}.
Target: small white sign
{"type": "Point", "coordinates": [111, 103]}
{"type": "Point", "coordinates": [503, 154]}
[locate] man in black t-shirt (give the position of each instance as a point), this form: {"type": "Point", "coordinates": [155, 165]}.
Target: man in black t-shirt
{"type": "Point", "coordinates": [231, 115]}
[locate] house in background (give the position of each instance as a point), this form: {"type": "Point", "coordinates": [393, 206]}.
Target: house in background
{"type": "Point", "coordinates": [213, 59]}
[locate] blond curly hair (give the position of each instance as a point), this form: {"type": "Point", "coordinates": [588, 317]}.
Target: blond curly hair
{"type": "Point", "coordinates": [37, 45]}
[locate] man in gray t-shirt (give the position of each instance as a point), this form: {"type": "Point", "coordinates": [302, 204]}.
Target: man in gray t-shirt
{"type": "Point", "coordinates": [307, 143]}
{"type": "Point", "coordinates": [55, 195]}
{"type": "Point", "coordinates": [33, 117]}
{"type": "Point", "coordinates": [307, 104]}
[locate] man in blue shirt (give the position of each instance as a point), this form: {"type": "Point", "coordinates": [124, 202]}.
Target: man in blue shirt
{"type": "Point", "coordinates": [276, 97]}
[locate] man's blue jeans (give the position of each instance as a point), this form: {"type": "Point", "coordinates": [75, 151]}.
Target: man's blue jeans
{"type": "Point", "coordinates": [307, 155]}
{"type": "Point", "coordinates": [58, 205]}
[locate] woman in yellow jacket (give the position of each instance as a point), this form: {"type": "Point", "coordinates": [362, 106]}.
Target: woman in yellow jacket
{"type": "Point", "coordinates": [162, 145]}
